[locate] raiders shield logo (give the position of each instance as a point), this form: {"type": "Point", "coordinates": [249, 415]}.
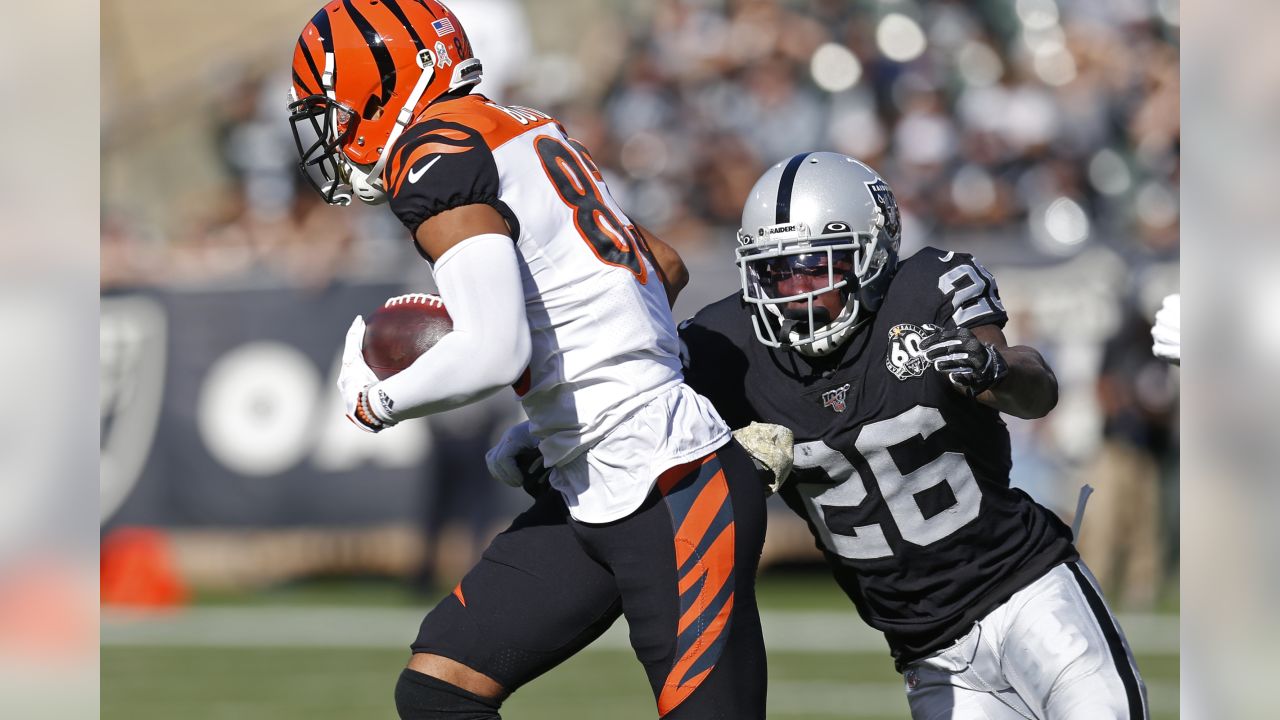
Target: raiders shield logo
{"type": "Point", "coordinates": [834, 399]}
{"type": "Point", "coordinates": [132, 336]}
{"type": "Point", "coordinates": [904, 358]}
{"type": "Point", "coordinates": [887, 205]}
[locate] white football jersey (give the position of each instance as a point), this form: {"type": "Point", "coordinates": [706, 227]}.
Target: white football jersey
{"type": "Point", "coordinates": [604, 345]}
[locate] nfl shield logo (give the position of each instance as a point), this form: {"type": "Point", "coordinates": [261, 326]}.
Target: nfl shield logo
{"type": "Point", "coordinates": [132, 338]}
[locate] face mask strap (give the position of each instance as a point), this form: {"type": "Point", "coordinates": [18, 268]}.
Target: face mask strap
{"type": "Point", "coordinates": [427, 61]}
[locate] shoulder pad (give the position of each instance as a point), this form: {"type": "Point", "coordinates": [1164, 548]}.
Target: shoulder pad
{"type": "Point", "coordinates": [436, 166]}
{"type": "Point", "coordinates": [495, 124]}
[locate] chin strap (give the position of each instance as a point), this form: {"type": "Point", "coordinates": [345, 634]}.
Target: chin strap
{"type": "Point", "coordinates": [787, 327]}
{"type": "Point", "coordinates": [828, 344]}
{"type": "Point", "coordinates": [404, 117]}
{"type": "Point", "coordinates": [339, 192]}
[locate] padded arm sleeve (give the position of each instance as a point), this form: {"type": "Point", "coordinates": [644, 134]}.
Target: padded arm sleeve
{"type": "Point", "coordinates": [488, 349]}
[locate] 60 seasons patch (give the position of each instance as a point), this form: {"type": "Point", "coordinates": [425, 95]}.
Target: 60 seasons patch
{"type": "Point", "coordinates": [904, 358]}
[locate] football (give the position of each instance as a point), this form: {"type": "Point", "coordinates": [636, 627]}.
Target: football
{"type": "Point", "coordinates": [401, 330]}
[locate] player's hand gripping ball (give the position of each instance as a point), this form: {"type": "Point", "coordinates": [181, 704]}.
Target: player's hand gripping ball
{"type": "Point", "coordinates": [400, 331]}
{"type": "Point", "coordinates": [397, 334]}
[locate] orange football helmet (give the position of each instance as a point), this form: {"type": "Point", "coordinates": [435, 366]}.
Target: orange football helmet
{"type": "Point", "coordinates": [362, 70]}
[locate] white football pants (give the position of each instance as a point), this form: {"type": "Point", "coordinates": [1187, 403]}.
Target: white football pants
{"type": "Point", "coordinates": [1053, 651]}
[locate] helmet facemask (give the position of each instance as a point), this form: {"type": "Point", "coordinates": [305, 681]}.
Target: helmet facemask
{"type": "Point", "coordinates": [321, 126]}
{"type": "Point", "coordinates": [789, 276]}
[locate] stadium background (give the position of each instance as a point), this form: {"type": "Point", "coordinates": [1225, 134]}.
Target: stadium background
{"type": "Point", "coordinates": [263, 560]}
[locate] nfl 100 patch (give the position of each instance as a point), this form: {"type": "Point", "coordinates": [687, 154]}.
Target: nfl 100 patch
{"type": "Point", "coordinates": [904, 357]}
{"type": "Point", "coordinates": [835, 398]}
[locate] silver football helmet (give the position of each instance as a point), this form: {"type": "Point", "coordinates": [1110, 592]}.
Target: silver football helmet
{"type": "Point", "coordinates": [814, 224]}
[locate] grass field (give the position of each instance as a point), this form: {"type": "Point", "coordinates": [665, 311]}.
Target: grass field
{"type": "Point", "coordinates": [329, 652]}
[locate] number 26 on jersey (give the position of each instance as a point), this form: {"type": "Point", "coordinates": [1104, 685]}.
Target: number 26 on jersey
{"type": "Point", "coordinates": [845, 487]}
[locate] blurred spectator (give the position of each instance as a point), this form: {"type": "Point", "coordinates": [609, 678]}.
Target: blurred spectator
{"type": "Point", "coordinates": [499, 34]}
{"type": "Point", "coordinates": [462, 507]}
{"type": "Point", "coordinates": [256, 147]}
{"type": "Point", "coordinates": [124, 257]}
{"type": "Point", "coordinates": [1122, 538]}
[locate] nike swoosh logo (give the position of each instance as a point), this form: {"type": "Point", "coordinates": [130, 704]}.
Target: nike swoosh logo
{"type": "Point", "coordinates": [415, 175]}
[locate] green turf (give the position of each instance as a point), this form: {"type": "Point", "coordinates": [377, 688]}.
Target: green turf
{"type": "Point", "coordinates": [162, 683]}
{"type": "Point", "coordinates": [803, 589]}
{"type": "Point", "coordinates": [363, 592]}
{"type": "Point", "coordinates": [776, 590]}
{"type": "Point", "coordinates": [329, 684]}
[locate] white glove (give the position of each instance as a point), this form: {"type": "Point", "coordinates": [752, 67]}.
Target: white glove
{"type": "Point", "coordinates": [1167, 332]}
{"type": "Point", "coordinates": [355, 380]}
{"type": "Point", "coordinates": [515, 458]}
{"type": "Point", "coordinates": [772, 448]}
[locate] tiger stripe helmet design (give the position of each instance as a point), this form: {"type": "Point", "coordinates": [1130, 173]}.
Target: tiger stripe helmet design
{"type": "Point", "coordinates": [362, 71]}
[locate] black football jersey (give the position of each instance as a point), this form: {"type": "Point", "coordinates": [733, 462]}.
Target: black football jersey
{"type": "Point", "coordinates": [903, 481]}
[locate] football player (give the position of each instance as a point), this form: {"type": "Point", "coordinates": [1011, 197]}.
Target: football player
{"type": "Point", "coordinates": [893, 375]}
{"type": "Point", "coordinates": [652, 511]}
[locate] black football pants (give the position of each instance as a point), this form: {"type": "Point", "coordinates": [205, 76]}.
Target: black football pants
{"type": "Point", "coordinates": [681, 569]}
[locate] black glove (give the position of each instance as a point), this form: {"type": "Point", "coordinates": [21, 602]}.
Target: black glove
{"type": "Point", "coordinates": [971, 365]}
{"type": "Point", "coordinates": [536, 476]}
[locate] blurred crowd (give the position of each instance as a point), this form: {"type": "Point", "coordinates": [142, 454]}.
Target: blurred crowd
{"type": "Point", "coordinates": [1029, 125]}
{"type": "Point", "coordinates": [1022, 119]}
